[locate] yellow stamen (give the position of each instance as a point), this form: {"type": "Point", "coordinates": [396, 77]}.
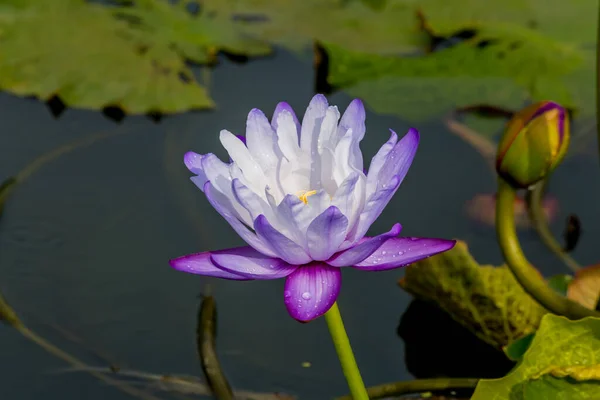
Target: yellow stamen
{"type": "Point", "coordinates": [304, 194]}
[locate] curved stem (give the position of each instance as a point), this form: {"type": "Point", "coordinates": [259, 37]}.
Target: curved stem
{"type": "Point", "coordinates": [344, 352]}
{"type": "Point", "coordinates": [525, 273]}
{"type": "Point", "coordinates": [417, 386]}
{"type": "Point", "coordinates": [536, 214]}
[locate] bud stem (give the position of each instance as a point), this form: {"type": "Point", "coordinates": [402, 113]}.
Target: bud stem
{"type": "Point", "coordinates": [536, 214]}
{"type": "Point", "coordinates": [525, 273]}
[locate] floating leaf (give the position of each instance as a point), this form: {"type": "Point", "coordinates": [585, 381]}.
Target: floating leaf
{"type": "Point", "coordinates": [485, 299]}
{"type": "Point", "coordinates": [585, 287]}
{"type": "Point", "coordinates": [197, 37]}
{"type": "Point", "coordinates": [374, 26]}
{"type": "Point", "coordinates": [82, 54]}
{"type": "Point", "coordinates": [574, 22]}
{"type": "Point", "coordinates": [561, 363]}
{"type": "Point", "coordinates": [502, 65]}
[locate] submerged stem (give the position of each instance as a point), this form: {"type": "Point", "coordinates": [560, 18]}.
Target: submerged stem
{"type": "Point", "coordinates": [345, 354]}
{"type": "Point", "coordinates": [525, 273]}
{"type": "Point", "coordinates": [417, 386]}
{"type": "Point", "coordinates": [536, 214]}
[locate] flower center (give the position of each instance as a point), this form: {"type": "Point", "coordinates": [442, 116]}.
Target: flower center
{"type": "Point", "coordinates": [304, 194]}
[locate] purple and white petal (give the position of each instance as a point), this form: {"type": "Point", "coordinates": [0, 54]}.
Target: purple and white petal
{"type": "Point", "coordinates": [361, 251]}
{"type": "Point", "coordinates": [399, 252]}
{"type": "Point", "coordinates": [325, 234]}
{"type": "Point", "coordinates": [373, 209]}
{"type": "Point", "coordinates": [311, 290]}
{"type": "Point", "coordinates": [240, 154]}
{"type": "Point", "coordinates": [282, 246]}
{"type": "Point", "coordinates": [249, 263]}
{"type": "Point", "coordinates": [377, 163]}
{"type": "Point", "coordinates": [223, 206]}
{"type": "Point", "coordinates": [283, 106]}
{"type": "Point", "coordinates": [252, 202]}
{"type": "Point", "coordinates": [287, 135]}
{"type": "Point", "coordinates": [398, 160]}
{"type": "Point", "coordinates": [261, 140]}
{"type": "Point", "coordinates": [201, 264]}
{"type": "Point", "coordinates": [311, 123]}
{"type": "Point", "coordinates": [193, 162]}
{"type": "Point", "coordinates": [354, 118]}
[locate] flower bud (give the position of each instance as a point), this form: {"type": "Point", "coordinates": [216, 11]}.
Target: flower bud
{"type": "Point", "coordinates": [533, 144]}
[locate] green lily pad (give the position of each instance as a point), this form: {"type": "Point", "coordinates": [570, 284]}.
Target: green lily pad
{"type": "Point", "coordinates": [485, 299]}
{"type": "Point", "coordinates": [197, 37]}
{"type": "Point", "coordinates": [374, 26]}
{"type": "Point", "coordinates": [81, 53]}
{"type": "Point", "coordinates": [573, 22]}
{"type": "Point", "coordinates": [562, 362]}
{"type": "Point", "coordinates": [502, 65]}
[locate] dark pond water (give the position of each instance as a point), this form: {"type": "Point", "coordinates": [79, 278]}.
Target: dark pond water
{"type": "Point", "coordinates": [84, 244]}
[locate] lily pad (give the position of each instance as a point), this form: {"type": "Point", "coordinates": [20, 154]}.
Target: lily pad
{"type": "Point", "coordinates": [485, 299]}
{"type": "Point", "coordinates": [82, 54]}
{"type": "Point", "coordinates": [195, 36]}
{"type": "Point", "coordinates": [374, 26]}
{"type": "Point", "coordinates": [501, 65]}
{"type": "Point", "coordinates": [561, 363]}
{"type": "Point", "coordinates": [585, 287]}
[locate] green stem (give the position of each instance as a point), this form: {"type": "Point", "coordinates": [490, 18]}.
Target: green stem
{"type": "Point", "coordinates": [525, 273]}
{"type": "Point", "coordinates": [417, 386]}
{"type": "Point", "coordinates": [536, 214]}
{"type": "Point", "coordinates": [344, 352]}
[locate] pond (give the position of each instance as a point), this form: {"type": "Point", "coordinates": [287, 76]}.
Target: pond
{"type": "Point", "coordinates": [86, 238]}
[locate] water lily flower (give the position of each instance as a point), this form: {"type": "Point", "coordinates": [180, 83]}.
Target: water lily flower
{"type": "Point", "coordinates": [296, 193]}
{"type": "Point", "coordinates": [533, 144]}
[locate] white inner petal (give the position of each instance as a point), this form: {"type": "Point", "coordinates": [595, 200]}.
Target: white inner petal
{"type": "Point", "coordinates": [276, 164]}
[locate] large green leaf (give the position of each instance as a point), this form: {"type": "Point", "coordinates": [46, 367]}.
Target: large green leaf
{"type": "Point", "coordinates": [574, 21]}
{"type": "Point", "coordinates": [485, 299]}
{"type": "Point", "coordinates": [374, 26]}
{"type": "Point", "coordinates": [562, 363]}
{"type": "Point", "coordinates": [502, 65]}
{"type": "Point", "coordinates": [196, 36]}
{"type": "Point", "coordinates": [81, 53]}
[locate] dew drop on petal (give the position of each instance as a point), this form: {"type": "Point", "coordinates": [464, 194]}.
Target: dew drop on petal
{"type": "Point", "coordinates": [383, 253]}
{"type": "Point", "coordinates": [306, 296]}
{"type": "Point", "coordinates": [287, 294]}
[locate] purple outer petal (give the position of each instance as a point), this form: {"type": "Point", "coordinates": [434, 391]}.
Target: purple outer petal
{"type": "Point", "coordinates": [283, 247]}
{"type": "Point", "coordinates": [201, 264]}
{"type": "Point", "coordinates": [278, 109]}
{"type": "Point", "coordinates": [311, 290]}
{"type": "Point", "coordinates": [249, 263]}
{"type": "Point", "coordinates": [325, 233]}
{"type": "Point", "coordinates": [400, 158]}
{"type": "Point", "coordinates": [356, 254]}
{"type": "Point", "coordinates": [218, 201]}
{"type": "Point", "coordinates": [399, 252]}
